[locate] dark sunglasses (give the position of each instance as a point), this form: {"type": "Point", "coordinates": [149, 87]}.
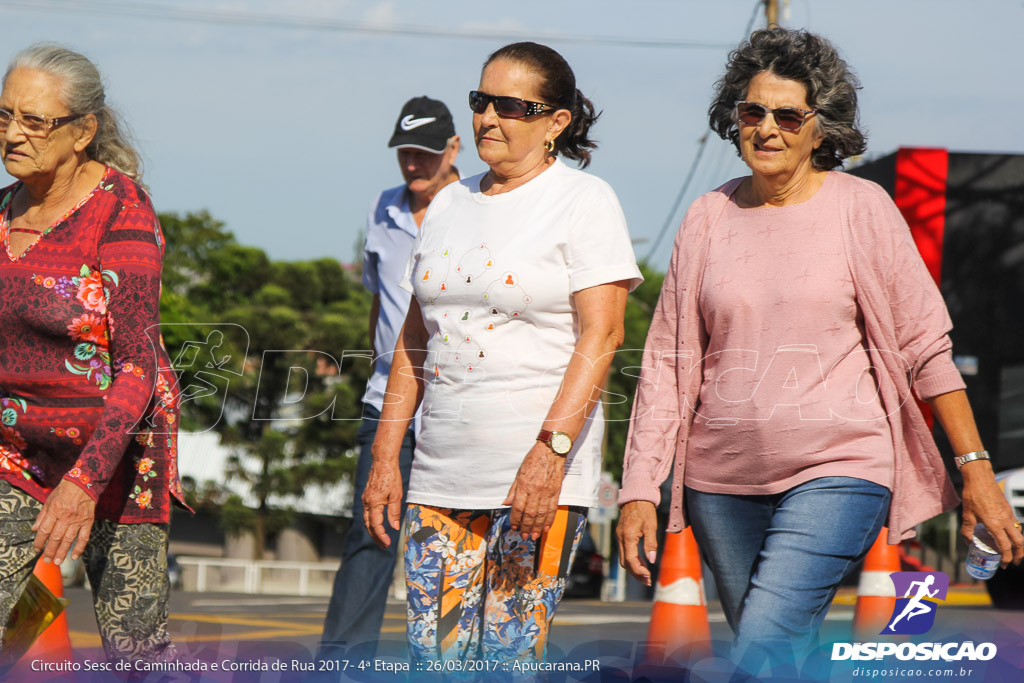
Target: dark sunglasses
{"type": "Point", "coordinates": [789, 119]}
{"type": "Point", "coordinates": [506, 107]}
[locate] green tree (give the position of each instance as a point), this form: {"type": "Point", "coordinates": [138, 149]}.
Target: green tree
{"type": "Point", "coordinates": [290, 409]}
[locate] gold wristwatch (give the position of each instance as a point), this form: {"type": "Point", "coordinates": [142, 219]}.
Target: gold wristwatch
{"type": "Point", "coordinates": [559, 442]}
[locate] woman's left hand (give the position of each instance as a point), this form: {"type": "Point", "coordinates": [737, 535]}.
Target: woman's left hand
{"type": "Point", "coordinates": [984, 502]}
{"type": "Point", "coordinates": [66, 519]}
{"type": "Point", "coordinates": [534, 493]}
{"type": "Point", "coordinates": [983, 499]}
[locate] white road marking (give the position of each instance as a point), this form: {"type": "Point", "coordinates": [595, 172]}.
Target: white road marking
{"type": "Point", "coordinates": [713, 618]}
{"type": "Point", "coordinates": [259, 602]}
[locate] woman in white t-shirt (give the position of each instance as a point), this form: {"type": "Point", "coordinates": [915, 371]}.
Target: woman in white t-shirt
{"type": "Point", "coordinates": [520, 277]}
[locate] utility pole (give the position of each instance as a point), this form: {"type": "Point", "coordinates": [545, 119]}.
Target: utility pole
{"type": "Point", "coordinates": [771, 12]}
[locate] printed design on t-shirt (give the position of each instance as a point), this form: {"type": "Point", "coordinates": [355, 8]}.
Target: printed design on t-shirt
{"type": "Point", "coordinates": [469, 354]}
{"type": "Point", "coordinates": [441, 335]}
{"type": "Point", "coordinates": [506, 297]}
{"type": "Point", "coordinates": [474, 263]}
{"type": "Point", "coordinates": [430, 279]}
{"type": "Point", "coordinates": [503, 299]}
{"type": "Point", "coordinates": [444, 337]}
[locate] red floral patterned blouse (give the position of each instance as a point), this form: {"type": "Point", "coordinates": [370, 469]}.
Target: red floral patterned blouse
{"type": "Point", "coordinates": [87, 393]}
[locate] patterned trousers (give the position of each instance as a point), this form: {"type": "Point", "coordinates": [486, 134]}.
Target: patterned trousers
{"type": "Point", "coordinates": [126, 565]}
{"type": "Point", "coordinates": [477, 589]}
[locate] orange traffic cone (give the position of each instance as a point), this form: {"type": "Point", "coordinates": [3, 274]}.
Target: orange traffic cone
{"type": "Point", "coordinates": [876, 595]}
{"type": "Point", "coordinates": [53, 644]}
{"type": "Point", "coordinates": [679, 620]}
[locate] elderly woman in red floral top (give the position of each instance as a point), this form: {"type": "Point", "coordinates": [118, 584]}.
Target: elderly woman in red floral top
{"type": "Point", "coordinates": [87, 398]}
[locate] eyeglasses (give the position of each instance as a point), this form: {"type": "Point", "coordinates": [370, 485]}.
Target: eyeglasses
{"type": "Point", "coordinates": [506, 107]}
{"type": "Point", "coordinates": [34, 125]}
{"type": "Point", "coordinates": [789, 119]}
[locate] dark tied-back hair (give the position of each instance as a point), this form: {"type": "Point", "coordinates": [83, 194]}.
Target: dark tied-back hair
{"type": "Point", "coordinates": [558, 87]}
{"type": "Point", "coordinates": [806, 58]}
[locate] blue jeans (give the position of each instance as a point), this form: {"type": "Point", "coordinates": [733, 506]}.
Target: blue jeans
{"type": "Point", "coordinates": [356, 609]}
{"type": "Point", "coordinates": [779, 559]}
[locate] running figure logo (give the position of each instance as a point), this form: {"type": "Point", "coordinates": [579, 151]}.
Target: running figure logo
{"type": "Point", "coordinates": [915, 611]}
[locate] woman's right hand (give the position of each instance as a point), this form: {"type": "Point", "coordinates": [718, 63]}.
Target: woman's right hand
{"type": "Point", "coordinates": [64, 522]}
{"type": "Point", "coordinates": [384, 484]}
{"type": "Point", "coordinates": [638, 520]}
{"type": "Point", "coordinates": [383, 489]}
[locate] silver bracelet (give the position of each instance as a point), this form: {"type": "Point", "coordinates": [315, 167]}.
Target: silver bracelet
{"type": "Point", "coordinates": [962, 460]}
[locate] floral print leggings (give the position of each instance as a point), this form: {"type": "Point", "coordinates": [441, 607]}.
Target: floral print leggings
{"type": "Point", "coordinates": [126, 565]}
{"type": "Point", "coordinates": [477, 589]}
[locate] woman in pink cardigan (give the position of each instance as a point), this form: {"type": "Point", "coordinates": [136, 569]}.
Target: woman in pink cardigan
{"type": "Point", "coordinates": [795, 326]}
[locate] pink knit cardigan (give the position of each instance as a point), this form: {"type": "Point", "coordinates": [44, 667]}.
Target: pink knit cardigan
{"type": "Point", "coordinates": [905, 321]}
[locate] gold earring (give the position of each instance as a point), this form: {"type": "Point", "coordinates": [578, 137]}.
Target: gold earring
{"type": "Point", "coordinates": [550, 145]}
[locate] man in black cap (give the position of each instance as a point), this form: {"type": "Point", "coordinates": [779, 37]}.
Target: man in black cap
{"type": "Point", "coordinates": [427, 147]}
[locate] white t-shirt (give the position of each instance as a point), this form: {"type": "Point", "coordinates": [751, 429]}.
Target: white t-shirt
{"type": "Point", "coordinates": [494, 277]}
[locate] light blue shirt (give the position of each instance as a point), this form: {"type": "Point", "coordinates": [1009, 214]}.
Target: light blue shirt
{"type": "Point", "coordinates": [391, 231]}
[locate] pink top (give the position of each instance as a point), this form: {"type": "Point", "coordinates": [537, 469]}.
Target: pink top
{"type": "Point", "coordinates": [788, 393]}
{"type": "Point", "coordinates": [905, 326]}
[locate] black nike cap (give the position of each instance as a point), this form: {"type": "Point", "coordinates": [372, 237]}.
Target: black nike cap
{"type": "Point", "coordinates": [423, 124]}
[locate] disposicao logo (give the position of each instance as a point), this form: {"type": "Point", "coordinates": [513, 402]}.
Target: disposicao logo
{"type": "Point", "coordinates": [914, 613]}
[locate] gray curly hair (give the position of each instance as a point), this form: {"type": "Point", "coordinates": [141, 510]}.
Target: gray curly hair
{"type": "Point", "coordinates": [810, 60]}
{"type": "Point", "coordinates": [82, 92]}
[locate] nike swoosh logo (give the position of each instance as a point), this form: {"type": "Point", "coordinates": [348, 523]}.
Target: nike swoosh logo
{"type": "Point", "coordinates": [409, 123]}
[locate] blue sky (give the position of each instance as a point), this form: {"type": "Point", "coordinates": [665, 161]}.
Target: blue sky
{"type": "Point", "coordinates": [281, 130]}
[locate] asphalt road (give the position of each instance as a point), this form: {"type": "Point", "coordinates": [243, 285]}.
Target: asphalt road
{"type": "Point", "coordinates": [241, 631]}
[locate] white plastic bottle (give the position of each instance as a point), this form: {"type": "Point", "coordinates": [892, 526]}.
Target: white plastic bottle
{"type": "Point", "coordinates": [983, 558]}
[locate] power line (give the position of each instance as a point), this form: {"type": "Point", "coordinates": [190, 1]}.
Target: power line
{"type": "Point", "coordinates": [696, 160]}
{"type": "Point", "coordinates": [241, 18]}
{"type": "Point", "coordinates": [679, 197]}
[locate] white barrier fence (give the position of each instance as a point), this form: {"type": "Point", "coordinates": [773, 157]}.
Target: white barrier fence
{"type": "Point", "coordinates": [220, 575]}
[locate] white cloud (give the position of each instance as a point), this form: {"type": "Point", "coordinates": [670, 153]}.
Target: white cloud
{"type": "Point", "coordinates": [384, 13]}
